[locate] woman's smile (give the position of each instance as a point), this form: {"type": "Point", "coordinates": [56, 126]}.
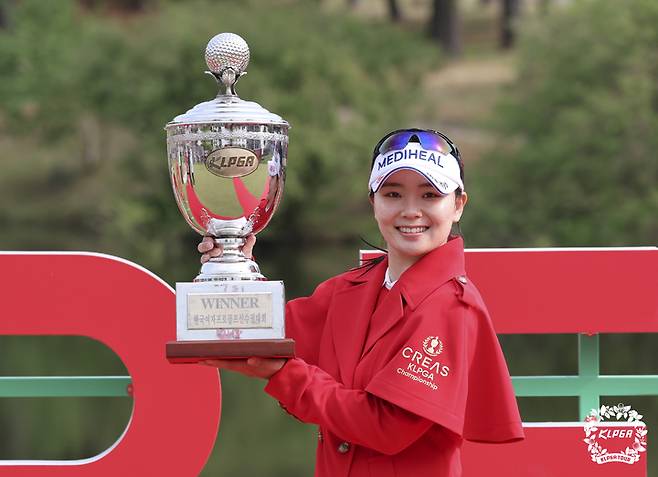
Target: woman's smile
{"type": "Point", "coordinates": [412, 230]}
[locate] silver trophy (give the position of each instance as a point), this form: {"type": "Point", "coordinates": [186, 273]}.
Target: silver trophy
{"type": "Point", "coordinates": [227, 163]}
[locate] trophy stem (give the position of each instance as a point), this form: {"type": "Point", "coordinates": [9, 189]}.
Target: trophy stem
{"type": "Point", "coordinates": [232, 265]}
{"type": "Point", "coordinates": [228, 79]}
{"type": "Point", "coordinates": [232, 249]}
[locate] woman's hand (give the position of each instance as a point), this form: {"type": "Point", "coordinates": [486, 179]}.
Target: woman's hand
{"type": "Point", "coordinates": [253, 367]}
{"type": "Point", "coordinates": [210, 249]}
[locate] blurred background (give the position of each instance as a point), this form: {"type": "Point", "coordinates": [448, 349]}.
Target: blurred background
{"type": "Point", "coordinates": [553, 103]}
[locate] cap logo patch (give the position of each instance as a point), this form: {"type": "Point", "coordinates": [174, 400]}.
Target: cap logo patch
{"type": "Point", "coordinates": [422, 154]}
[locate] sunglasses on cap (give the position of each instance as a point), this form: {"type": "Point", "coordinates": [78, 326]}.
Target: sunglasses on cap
{"type": "Point", "coordinates": [429, 139]}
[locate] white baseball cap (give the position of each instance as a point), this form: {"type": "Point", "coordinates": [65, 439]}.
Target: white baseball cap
{"type": "Point", "coordinates": [440, 169]}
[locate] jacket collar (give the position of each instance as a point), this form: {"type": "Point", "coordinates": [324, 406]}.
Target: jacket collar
{"type": "Point", "coordinates": [430, 272]}
{"type": "Point", "coordinates": [423, 277]}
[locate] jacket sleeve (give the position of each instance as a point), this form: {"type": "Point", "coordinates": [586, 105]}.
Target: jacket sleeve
{"type": "Point", "coordinates": [313, 396]}
{"type": "Point", "coordinates": [305, 319]}
{"type": "Point", "coordinates": [489, 383]}
{"type": "Point", "coordinates": [449, 368]}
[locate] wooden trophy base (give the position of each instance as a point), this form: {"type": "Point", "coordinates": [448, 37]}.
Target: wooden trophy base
{"type": "Point", "coordinates": [181, 352]}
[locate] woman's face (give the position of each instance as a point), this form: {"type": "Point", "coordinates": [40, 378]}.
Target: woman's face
{"type": "Point", "coordinates": [413, 217]}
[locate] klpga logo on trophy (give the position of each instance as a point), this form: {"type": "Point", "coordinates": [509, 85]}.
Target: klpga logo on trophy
{"type": "Point", "coordinates": [232, 162]}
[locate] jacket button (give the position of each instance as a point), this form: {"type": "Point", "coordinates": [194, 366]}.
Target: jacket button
{"type": "Point", "coordinates": [344, 447]}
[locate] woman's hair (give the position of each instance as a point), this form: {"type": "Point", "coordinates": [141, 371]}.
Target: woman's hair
{"type": "Point", "coordinates": [369, 263]}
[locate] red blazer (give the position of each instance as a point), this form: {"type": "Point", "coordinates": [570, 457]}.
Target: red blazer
{"type": "Point", "coordinates": [395, 388]}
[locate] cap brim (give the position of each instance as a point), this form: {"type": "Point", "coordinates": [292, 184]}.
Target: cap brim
{"type": "Point", "coordinates": [442, 184]}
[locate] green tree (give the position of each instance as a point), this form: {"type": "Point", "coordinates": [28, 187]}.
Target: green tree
{"type": "Point", "coordinates": [578, 164]}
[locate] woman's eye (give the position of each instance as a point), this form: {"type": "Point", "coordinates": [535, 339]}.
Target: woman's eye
{"type": "Point", "coordinates": [430, 195]}
{"type": "Point", "coordinates": [392, 194]}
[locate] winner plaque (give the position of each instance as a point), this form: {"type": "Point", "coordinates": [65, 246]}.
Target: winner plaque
{"type": "Point", "coordinates": [227, 163]}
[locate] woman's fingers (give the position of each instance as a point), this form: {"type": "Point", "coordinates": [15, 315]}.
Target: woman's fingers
{"type": "Point", "coordinates": [209, 249]}
{"type": "Point", "coordinates": [253, 367]}
{"type": "Point", "coordinates": [206, 245]}
{"type": "Point", "coordinates": [248, 247]}
{"type": "Point", "coordinates": [238, 365]}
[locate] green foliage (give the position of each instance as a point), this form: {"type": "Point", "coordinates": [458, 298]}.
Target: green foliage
{"type": "Point", "coordinates": [580, 166]}
{"type": "Point", "coordinates": [86, 99]}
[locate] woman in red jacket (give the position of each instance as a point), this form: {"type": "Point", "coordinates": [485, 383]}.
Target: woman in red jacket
{"type": "Point", "coordinates": [397, 362]}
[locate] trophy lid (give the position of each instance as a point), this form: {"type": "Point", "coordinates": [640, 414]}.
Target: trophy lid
{"type": "Point", "coordinates": [228, 109]}
{"type": "Point", "coordinates": [227, 57]}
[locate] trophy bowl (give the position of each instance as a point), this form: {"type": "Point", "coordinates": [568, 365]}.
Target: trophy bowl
{"type": "Point", "coordinates": [227, 163]}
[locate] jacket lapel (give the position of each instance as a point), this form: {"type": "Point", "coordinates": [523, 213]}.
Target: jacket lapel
{"type": "Point", "coordinates": [389, 312]}
{"type": "Point", "coordinates": [414, 285]}
{"type": "Point", "coordinates": [350, 314]}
